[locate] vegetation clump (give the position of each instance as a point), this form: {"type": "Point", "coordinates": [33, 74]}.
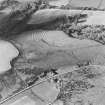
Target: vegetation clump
{"type": "Point", "coordinates": [92, 32]}
{"type": "Point", "coordinates": [75, 84]}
